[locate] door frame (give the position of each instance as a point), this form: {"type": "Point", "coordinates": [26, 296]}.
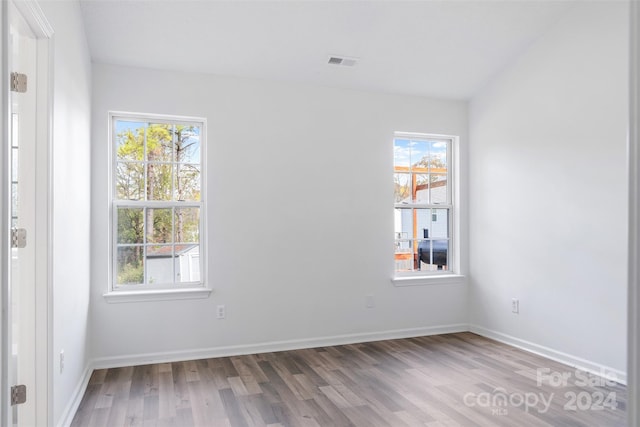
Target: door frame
{"type": "Point", "coordinates": [633, 298]}
{"type": "Point", "coordinates": [42, 235]}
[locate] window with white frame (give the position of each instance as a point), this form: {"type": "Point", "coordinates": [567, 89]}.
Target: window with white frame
{"type": "Point", "coordinates": [423, 209]}
{"type": "Point", "coordinates": [157, 200]}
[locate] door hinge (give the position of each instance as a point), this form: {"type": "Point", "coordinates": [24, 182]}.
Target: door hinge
{"type": "Point", "coordinates": [18, 394]}
{"type": "Point", "coordinates": [18, 82]}
{"type": "Point", "coordinates": [18, 237]}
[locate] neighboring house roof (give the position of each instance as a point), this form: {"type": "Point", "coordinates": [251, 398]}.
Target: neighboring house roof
{"type": "Point", "coordinates": [438, 190]}
{"type": "Point", "coordinates": [167, 251]}
{"type": "Point", "coordinates": [434, 184]}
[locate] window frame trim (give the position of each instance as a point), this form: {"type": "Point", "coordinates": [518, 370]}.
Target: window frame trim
{"type": "Point", "coordinates": [453, 275]}
{"type": "Point", "coordinates": [166, 291]}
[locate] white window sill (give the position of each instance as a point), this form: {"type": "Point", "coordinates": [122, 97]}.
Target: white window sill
{"type": "Point", "coordinates": [441, 279]}
{"type": "Point", "coordinates": [157, 295]}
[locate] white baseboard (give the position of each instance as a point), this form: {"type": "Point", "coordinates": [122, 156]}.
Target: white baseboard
{"type": "Point", "coordinates": [237, 350]}
{"type": "Point", "coordinates": [70, 411]}
{"type": "Point", "coordinates": [558, 356]}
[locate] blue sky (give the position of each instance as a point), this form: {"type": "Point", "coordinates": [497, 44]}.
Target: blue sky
{"type": "Point", "coordinates": [409, 151]}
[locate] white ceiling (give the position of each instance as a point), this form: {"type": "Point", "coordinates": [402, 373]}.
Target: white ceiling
{"type": "Point", "coordinates": [445, 48]}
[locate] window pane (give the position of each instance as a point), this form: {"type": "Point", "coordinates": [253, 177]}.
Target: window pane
{"type": "Point", "coordinates": [402, 187]}
{"type": "Point", "coordinates": [159, 181]}
{"type": "Point", "coordinates": [130, 181]}
{"type": "Point", "coordinates": [403, 245]}
{"type": "Point", "coordinates": [404, 261]}
{"type": "Point", "coordinates": [187, 144]}
{"type": "Point", "coordinates": [187, 186]}
{"type": "Point", "coordinates": [422, 188]}
{"type": "Point", "coordinates": [187, 263]}
{"type": "Point", "coordinates": [441, 254]}
{"type": "Point", "coordinates": [14, 164]}
{"type": "Point", "coordinates": [423, 223]}
{"type": "Point", "coordinates": [439, 188]}
{"type": "Point", "coordinates": [404, 255]}
{"type": "Point", "coordinates": [130, 267]}
{"type": "Point", "coordinates": [419, 155]}
{"type": "Point", "coordinates": [438, 157]}
{"type": "Point", "coordinates": [157, 162]}
{"type": "Point", "coordinates": [160, 261]}
{"type": "Point", "coordinates": [403, 223]}
{"type": "Point", "coordinates": [422, 235]}
{"type": "Point", "coordinates": [130, 140]}
{"type": "Point", "coordinates": [130, 225]}
{"type": "Point", "coordinates": [439, 223]}
{"type": "Point", "coordinates": [433, 254]}
{"type": "Point", "coordinates": [160, 225]}
{"type": "Point", "coordinates": [401, 153]}
{"type": "Point", "coordinates": [160, 143]}
{"type": "Point", "coordinates": [187, 223]}
{"type": "Point", "coordinates": [14, 200]}
{"type": "Point", "coordinates": [424, 254]}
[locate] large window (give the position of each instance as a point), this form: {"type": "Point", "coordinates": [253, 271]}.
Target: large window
{"type": "Point", "coordinates": [423, 210]}
{"type": "Point", "coordinates": [158, 206]}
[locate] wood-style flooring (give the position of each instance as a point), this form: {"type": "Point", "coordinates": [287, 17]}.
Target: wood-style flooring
{"type": "Point", "coordinates": [446, 380]}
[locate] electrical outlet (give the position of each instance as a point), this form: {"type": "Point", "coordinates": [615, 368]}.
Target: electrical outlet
{"type": "Point", "coordinates": [515, 306]}
{"type": "Point", "coordinates": [61, 361]}
{"type": "Point", "coordinates": [221, 312]}
{"type": "Point", "coordinates": [369, 301]}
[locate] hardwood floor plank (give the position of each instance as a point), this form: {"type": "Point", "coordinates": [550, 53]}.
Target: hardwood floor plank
{"type": "Point", "coordinates": [447, 380]}
{"type": "Point", "coordinates": [408, 419]}
{"type": "Point", "coordinates": [98, 376]}
{"type": "Point", "coordinates": [264, 408]}
{"type": "Point", "coordinates": [150, 380]}
{"type": "Point", "coordinates": [184, 417]}
{"type": "Point", "coordinates": [99, 417]}
{"type": "Point", "coordinates": [180, 386]}
{"type": "Point", "coordinates": [237, 386]}
{"type": "Point", "coordinates": [337, 417]}
{"type": "Point", "coordinates": [232, 410]}
{"type": "Point", "coordinates": [252, 363]}
{"type": "Point", "coordinates": [87, 404]}
{"type": "Point", "coordinates": [135, 412]}
{"type": "Point", "coordinates": [151, 408]}
{"type": "Point", "coordinates": [335, 397]}
{"type": "Point", "coordinates": [166, 394]}
{"type": "Point", "coordinates": [191, 371]}
{"type": "Point", "coordinates": [120, 404]}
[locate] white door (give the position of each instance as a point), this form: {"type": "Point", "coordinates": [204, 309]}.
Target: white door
{"type": "Point", "coordinates": [20, 294]}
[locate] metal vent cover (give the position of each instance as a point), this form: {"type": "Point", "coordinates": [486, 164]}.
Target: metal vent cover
{"type": "Point", "coordinates": [344, 61]}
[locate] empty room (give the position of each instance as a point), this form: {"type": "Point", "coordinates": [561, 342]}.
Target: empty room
{"type": "Point", "coordinates": [320, 213]}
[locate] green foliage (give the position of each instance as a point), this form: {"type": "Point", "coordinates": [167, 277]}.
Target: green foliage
{"type": "Point", "coordinates": [131, 273]}
{"type": "Point", "coordinates": [162, 229]}
{"type": "Point", "coordinates": [130, 225]}
{"type": "Point", "coordinates": [131, 145]}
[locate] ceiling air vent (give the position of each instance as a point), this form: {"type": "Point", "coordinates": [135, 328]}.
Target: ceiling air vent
{"type": "Point", "coordinates": [342, 61]}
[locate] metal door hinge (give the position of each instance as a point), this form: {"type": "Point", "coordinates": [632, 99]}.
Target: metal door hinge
{"type": "Point", "coordinates": [18, 237]}
{"type": "Point", "coordinates": [18, 394]}
{"type": "Point", "coordinates": [18, 82]}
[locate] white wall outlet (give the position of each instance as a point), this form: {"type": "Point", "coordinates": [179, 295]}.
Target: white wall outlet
{"type": "Point", "coordinates": [221, 312]}
{"type": "Point", "coordinates": [61, 361]}
{"type": "Point", "coordinates": [369, 301]}
{"type": "Point", "coordinates": [515, 305]}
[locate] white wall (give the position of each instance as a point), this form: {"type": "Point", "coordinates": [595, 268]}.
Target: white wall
{"type": "Point", "coordinates": [300, 214]}
{"type": "Point", "coordinates": [548, 192]}
{"type": "Point", "coordinates": [71, 199]}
